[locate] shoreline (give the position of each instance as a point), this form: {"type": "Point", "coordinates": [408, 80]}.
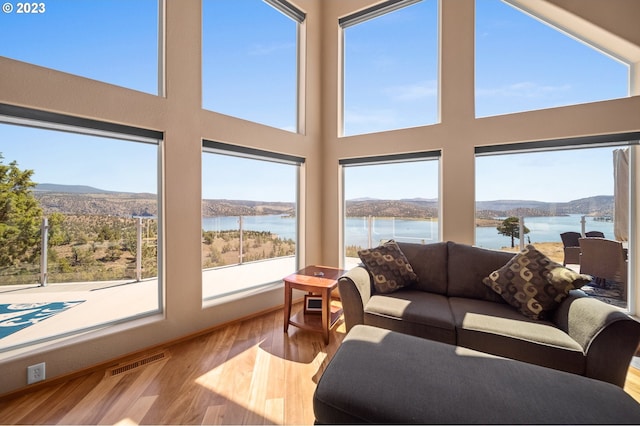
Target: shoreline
{"type": "Point", "coordinates": [554, 251]}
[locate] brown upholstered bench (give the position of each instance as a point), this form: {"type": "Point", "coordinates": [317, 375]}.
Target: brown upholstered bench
{"type": "Point", "coordinates": [381, 376]}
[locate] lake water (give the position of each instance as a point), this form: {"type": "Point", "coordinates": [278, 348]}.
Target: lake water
{"type": "Point", "coordinates": [283, 226]}
{"type": "Point", "coordinates": [543, 229]}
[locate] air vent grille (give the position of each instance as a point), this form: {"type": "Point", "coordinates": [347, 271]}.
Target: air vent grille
{"type": "Point", "coordinates": [136, 363]}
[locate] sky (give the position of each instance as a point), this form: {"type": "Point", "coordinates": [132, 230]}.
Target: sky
{"type": "Point", "coordinates": [385, 177]}
{"type": "Point", "coordinates": [391, 70]}
{"type": "Point", "coordinates": [391, 83]}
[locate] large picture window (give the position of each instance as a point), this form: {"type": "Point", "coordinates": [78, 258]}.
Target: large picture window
{"type": "Point", "coordinates": [390, 69]}
{"type": "Point", "coordinates": [533, 194]}
{"type": "Point", "coordinates": [249, 218]}
{"type": "Point", "coordinates": [79, 225]}
{"type": "Point", "coordinates": [391, 198]}
{"type": "Point", "coordinates": [113, 41]}
{"type": "Point", "coordinates": [524, 64]}
{"type": "Point", "coordinates": [250, 60]}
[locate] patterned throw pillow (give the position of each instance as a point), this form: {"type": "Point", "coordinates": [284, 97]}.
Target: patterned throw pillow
{"type": "Point", "coordinates": [389, 266]}
{"type": "Point", "coordinates": [533, 283]}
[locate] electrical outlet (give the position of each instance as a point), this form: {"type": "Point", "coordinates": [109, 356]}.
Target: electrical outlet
{"type": "Point", "coordinates": [36, 373]}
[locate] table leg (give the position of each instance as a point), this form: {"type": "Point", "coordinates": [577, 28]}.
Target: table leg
{"type": "Point", "coordinates": [287, 305]}
{"type": "Point", "coordinates": [326, 315]}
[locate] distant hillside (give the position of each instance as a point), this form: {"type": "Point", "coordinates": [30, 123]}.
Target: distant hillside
{"type": "Point", "coordinates": [392, 208]}
{"type": "Point", "coordinates": [106, 203]}
{"type": "Point", "coordinates": [211, 208]}
{"type": "Point", "coordinates": [73, 189]}
{"type": "Point", "coordinates": [86, 200]}
{"type": "Point", "coordinates": [601, 205]}
{"type": "Point", "coordinates": [506, 205]}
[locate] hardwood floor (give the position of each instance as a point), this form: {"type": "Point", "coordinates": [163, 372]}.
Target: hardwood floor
{"type": "Point", "coordinates": [249, 372]}
{"type": "Point", "coordinates": [244, 373]}
{"type": "Point", "coordinates": [632, 385]}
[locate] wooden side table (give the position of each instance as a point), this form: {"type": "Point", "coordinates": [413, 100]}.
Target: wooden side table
{"type": "Point", "coordinates": [314, 280]}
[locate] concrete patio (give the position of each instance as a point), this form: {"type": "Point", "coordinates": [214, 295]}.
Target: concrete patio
{"type": "Point", "coordinates": [103, 301]}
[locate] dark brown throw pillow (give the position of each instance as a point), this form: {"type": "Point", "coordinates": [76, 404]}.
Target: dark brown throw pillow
{"type": "Point", "coordinates": [389, 266]}
{"type": "Point", "coordinates": [533, 283]}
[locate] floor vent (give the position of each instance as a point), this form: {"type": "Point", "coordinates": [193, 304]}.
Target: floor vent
{"type": "Point", "coordinates": [136, 363]}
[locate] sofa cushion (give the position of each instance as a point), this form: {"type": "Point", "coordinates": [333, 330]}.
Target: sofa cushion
{"type": "Point", "coordinates": [429, 262]}
{"type": "Point", "coordinates": [500, 330]}
{"type": "Point", "coordinates": [533, 283]}
{"type": "Point", "coordinates": [389, 267]}
{"type": "Point", "coordinates": [380, 377]}
{"type": "Point", "coordinates": [414, 312]}
{"type": "Point", "coordinates": [468, 265]}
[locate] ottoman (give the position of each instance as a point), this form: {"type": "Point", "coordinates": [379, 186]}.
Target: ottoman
{"type": "Point", "coordinates": [381, 376]}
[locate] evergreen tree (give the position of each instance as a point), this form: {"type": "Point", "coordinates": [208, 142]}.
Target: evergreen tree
{"type": "Point", "coordinates": [20, 215]}
{"type": "Point", "coordinates": [57, 235]}
{"type": "Point", "coordinates": [510, 227]}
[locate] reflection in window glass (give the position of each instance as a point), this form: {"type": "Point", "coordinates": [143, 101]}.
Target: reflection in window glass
{"type": "Point", "coordinates": [249, 223]}
{"type": "Point", "coordinates": [391, 70]}
{"type": "Point", "coordinates": [524, 65]}
{"type": "Point", "coordinates": [113, 41]}
{"type": "Point", "coordinates": [80, 241]}
{"type": "Point", "coordinates": [539, 191]}
{"type": "Point", "coordinates": [396, 201]}
{"type": "Point", "coordinates": [249, 62]}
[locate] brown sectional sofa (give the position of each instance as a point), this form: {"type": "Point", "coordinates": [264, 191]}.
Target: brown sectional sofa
{"type": "Point", "coordinates": [450, 304]}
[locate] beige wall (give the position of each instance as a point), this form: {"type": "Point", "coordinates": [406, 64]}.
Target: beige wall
{"type": "Point", "coordinates": [179, 115]}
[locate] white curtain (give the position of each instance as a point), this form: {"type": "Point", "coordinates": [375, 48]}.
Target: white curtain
{"type": "Point", "coordinates": [621, 194]}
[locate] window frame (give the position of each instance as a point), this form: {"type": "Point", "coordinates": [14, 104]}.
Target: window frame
{"type": "Point", "coordinates": [159, 50]}
{"type": "Point", "coordinates": [363, 16]}
{"type": "Point", "coordinates": [249, 153]}
{"type": "Point", "coordinates": [581, 31]}
{"type": "Point", "coordinates": [296, 14]}
{"type": "Point", "coordinates": [344, 163]}
{"type": "Point", "coordinates": [629, 139]}
{"type": "Point", "coordinates": [50, 121]}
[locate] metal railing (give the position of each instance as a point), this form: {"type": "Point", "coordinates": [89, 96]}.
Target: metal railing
{"type": "Point", "coordinates": [377, 236]}
{"type": "Point", "coordinates": [44, 246]}
{"type": "Point", "coordinates": [261, 237]}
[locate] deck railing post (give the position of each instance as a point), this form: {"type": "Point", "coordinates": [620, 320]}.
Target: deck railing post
{"type": "Point", "coordinates": [240, 226]}
{"type": "Point", "coordinates": [139, 249]}
{"type": "Point", "coordinates": [521, 232]}
{"type": "Point", "coordinates": [44, 234]}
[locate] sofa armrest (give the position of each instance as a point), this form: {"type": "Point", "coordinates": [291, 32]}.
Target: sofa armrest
{"type": "Point", "coordinates": [608, 336]}
{"type": "Point", "coordinates": [355, 292]}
